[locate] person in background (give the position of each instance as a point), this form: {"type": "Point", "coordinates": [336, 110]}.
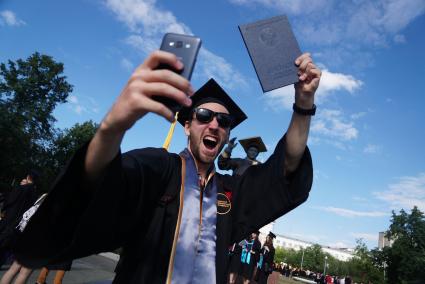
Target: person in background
{"type": "Point", "coordinates": [19, 200]}
{"type": "Point", "coordinates": [60, 269]}
{"type": "Point", "coordinates": [249, 257]}
{"type": "Point", "coordinates": [266, 259]}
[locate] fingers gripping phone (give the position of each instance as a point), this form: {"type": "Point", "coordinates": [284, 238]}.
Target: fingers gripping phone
{"type": "Point", "coordinates": [186, 48]}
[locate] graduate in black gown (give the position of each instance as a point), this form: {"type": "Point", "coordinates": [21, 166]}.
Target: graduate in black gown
{"type": "Point", "coordinates": [20, 199]}
{"type": "Point", "coordinates": [265, 263]}
{"type": "Point", "coordinates": [172, 214]}
{"type": "Point", "coordinates": [250, 254]}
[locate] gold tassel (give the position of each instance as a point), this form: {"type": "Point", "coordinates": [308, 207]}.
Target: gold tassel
{"type": "Point", "coordinates": [167, 141]}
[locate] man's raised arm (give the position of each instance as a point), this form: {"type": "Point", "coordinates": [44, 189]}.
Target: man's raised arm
{"type": "Point", "coordinates": [134, 102]}
{"type": "Point", "coordinates": [297, 134]}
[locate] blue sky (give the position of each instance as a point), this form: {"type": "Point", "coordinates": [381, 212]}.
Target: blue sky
{"type": "Point", "coordinates": [366, 138]}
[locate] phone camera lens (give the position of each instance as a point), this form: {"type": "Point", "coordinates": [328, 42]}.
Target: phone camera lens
{"type": "Point", "coordinates": [179, 44]}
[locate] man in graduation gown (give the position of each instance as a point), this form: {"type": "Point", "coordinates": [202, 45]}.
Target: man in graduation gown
{"type": "Point", "coordinates": [252, 146]}
{"type": "Point", "coordinates": [173, 214]}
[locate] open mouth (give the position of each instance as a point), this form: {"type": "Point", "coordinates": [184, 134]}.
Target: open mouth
{"type": "Point", "coordinates": [210, 142]}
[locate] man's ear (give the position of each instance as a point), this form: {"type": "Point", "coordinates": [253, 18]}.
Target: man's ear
{"type": "Point", "coordinates": [187, 127]}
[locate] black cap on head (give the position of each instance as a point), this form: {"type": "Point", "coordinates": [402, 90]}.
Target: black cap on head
{"type": "Point", "coordinates": [212, 92]}
{"type": "Point", "coordinates": [253, 141]}
{"type": "Point", "coordinates": [271, 235]}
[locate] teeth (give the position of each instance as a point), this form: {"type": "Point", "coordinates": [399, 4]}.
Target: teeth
{"type": "Point", "coordinates": [210, 138]}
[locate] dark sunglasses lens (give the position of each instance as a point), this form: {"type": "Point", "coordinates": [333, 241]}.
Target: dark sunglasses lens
{"type": "Point", "coordinates": [204, 115]}
{"type": "Point", "coordinates": [224, 120]}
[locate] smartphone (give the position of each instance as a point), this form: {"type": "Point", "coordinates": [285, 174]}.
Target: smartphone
{"type": "Point", "coordinates": [186, 48]}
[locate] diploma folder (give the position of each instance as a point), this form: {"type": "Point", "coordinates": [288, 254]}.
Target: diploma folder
{"type": "Point", "coordinates": [273, 49]}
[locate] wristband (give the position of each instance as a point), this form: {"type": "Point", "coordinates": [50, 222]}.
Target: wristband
{"type": "Point", "coordinates": [303, 111]}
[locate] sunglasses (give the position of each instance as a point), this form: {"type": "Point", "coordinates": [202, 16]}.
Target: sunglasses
{"type": "Point", "coordinates": [204, 115]}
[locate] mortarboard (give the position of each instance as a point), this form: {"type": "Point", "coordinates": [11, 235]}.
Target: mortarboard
{"type": "Point", "coordinates": [273, 236]}
{"type": "Point", "coordinates": [253, 141]}
{"type": "Point", "coordinates": [211, 91]}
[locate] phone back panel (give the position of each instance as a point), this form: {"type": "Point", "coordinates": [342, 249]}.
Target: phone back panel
{"type": "Point", "coordinates": [185, 47]}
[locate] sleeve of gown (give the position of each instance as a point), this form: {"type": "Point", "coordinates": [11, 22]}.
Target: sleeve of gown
{"type": "Point", "coordinates": [263, 193]}
{"type": "Point", "coordinates": [75, 221]}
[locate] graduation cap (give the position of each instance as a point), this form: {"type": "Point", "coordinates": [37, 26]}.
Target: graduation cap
{"type": "Point", "coordinates": [271, 235]}
{"type": "Point", "coordinates": [212, 92]}
{"type": "Point", "coordinates": [256, 142]}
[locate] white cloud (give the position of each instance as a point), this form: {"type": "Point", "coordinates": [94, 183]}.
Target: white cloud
{"type": "Point", "coordinates": [289, 6]}
{"type": "Point", "coordinates": [399, 38]}
{"type": "Point", "coordinates": [399, 13]}
{"type": "Point", "coordinates": [81, 104]}
{"type": "Point", "coordinates": [366, 236]}
{"type": "Point", "coordinates": [408, 192]}
{"type": "Point", "coordinates": [330, 123]}
{"type": "Point", "coordinates": [73, 99]}
{"type": "Point", "coordinates": [9, 18]}
{"type": "Point", "coordinates": [372, 149]}
{"type": "Point", "coordinates": [127, 64]}
{"type": "Point", "coordinates": [352, 213]}
{"type": "Point", "coordinates": [329, 84]}
{"type": "Point", "coordinates": [149, 23]}
{"type": "Point", "coordinates": [356, 116]}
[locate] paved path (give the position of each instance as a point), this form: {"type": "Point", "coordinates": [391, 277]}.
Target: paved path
{"type": "Point", "coordinates": [95, 269]}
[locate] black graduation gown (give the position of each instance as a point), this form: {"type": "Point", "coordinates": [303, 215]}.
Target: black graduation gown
{"type": "Point", "coordinates": [136, 206]}
{"type": "Point", "coordinates": [267, 266]}
{"type": "Point", "coordinates": [19, 200]}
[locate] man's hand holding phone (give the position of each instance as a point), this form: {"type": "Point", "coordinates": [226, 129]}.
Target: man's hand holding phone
{"type": "Point", "coordinates": [136, 99]}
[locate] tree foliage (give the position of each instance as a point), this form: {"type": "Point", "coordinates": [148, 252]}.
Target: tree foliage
{"type": "Point", "coordinates": [405, 259]}
{"type": "Point", "coordinates": [29, 92]}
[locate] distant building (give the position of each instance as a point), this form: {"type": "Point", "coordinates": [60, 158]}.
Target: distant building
{"type": "Point", "coordinates": [384, 241]}
{"type": "Point", "coordinates": [343, 254]}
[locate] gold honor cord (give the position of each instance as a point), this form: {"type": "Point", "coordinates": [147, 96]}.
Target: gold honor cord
{"type": "Point", "coordinates": [167, 141]}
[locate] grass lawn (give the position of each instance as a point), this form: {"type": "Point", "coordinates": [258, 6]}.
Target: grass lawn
{"type": "Point", "coordinates": [284, 280]}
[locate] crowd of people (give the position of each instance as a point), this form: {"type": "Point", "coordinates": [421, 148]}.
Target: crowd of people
{"type": "Point", "coordinates": [289, 271]}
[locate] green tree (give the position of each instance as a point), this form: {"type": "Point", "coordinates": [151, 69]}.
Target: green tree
{"type": "Point", "coordinates": [406, 257]}
{"type": "Point", "coordinates": [68, 141]}
{"type": "Point", "coordinates": [314, 258]}
{"type": "Point", "coordinates": [362, 267]}
{"type": "Point", "coordinates": [65, 144]}
{"type": "Point", "coordinates": [29, 92]}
